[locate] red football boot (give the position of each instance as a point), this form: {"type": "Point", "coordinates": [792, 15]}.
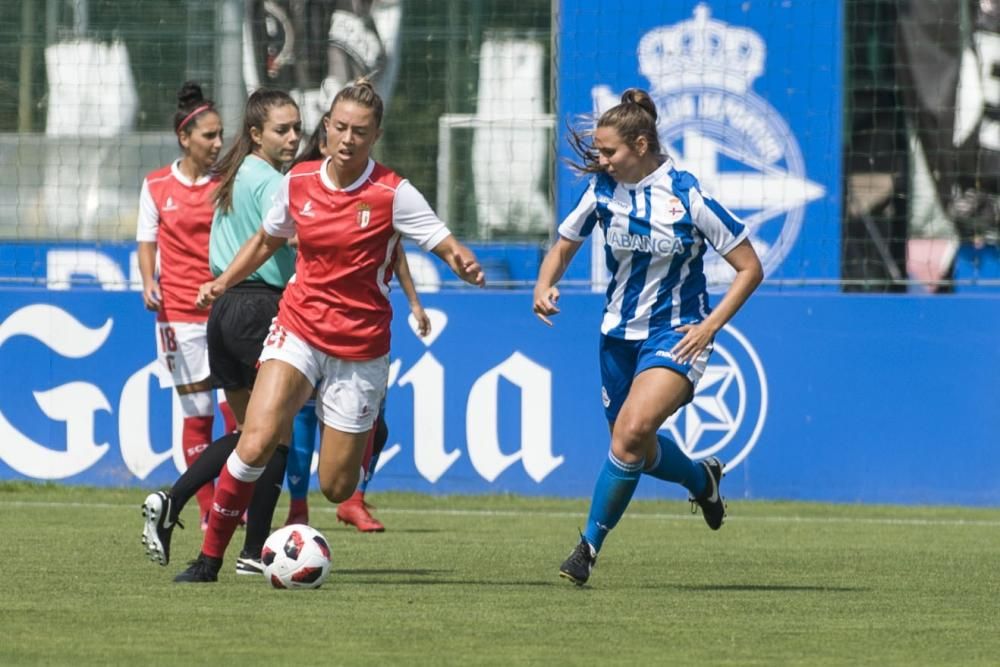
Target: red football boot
{"type": "Point", "coordinates": [354, 512]}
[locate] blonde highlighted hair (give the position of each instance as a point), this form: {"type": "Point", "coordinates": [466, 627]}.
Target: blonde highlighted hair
{"type": "Point", "coordinates": [362, 92]}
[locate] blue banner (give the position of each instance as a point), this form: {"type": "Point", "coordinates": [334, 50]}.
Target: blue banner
{"type": "Point", "coordinates": [809, 397]}
{"type": "Point", "coordinates": [114, 265]}
{"type": "Point", "coordinates": [749, 96]}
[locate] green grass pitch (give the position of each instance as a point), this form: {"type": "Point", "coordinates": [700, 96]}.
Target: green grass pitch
{"type": "Point", "coordinates": [473, 580]}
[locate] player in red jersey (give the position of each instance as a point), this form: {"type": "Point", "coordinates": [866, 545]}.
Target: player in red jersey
{"type": "Point", "coordinates": [332, 329]}
{"type": "Point", "coordinates": [355, 511]}
{"type": "Point", "coordinates": [175, 217]}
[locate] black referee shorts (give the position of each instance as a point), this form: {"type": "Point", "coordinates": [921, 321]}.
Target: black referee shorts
{"type": "Point", "coordinates": [237, 327]}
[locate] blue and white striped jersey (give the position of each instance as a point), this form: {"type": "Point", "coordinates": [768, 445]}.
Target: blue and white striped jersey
{"type": "Point", "coordinates": [655, 233]}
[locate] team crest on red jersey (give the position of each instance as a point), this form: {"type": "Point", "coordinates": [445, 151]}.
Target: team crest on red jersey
{"type": "Point", "coordinates": [364, 215]}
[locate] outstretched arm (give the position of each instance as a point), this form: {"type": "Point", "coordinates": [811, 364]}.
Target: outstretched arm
{"type": "Point", "coordinates": [257, 250]}
{"type": "Point", "coordinates": [406, 282]}
{"type": "Point", "coordinates": [551, 271]}
{"type": "Point", "coordinates": [461, 260]}
{"type": "Point", "coordinates": [413, 218]}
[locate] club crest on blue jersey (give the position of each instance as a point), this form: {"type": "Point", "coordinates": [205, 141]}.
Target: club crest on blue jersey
{"type": "Point", "coordinates": [713, 125]}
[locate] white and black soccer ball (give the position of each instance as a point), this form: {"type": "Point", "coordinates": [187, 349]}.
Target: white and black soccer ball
{"type": "Point", "coordinates": [296, 556]}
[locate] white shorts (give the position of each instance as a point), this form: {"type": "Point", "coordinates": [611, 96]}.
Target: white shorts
{"type": "Point", "coordinates": [348, 393]}
{"type": "Point", "coordinates": [182, 348]}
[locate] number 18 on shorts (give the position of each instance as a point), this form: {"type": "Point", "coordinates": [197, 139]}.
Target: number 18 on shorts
{"type": "Point", "coordinates": [182, 348]}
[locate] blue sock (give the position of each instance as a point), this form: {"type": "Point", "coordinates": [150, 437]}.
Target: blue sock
{"type": "Point", "coordinates": [300, 454]}
{"type": "Point", "coordinates": [673, 465]}
{"type": "Point", "coordinates": [363, 486]}
{"type": "Point", "coordinates": [615, 485]}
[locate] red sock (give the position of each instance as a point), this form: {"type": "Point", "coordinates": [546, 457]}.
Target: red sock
{"type": "Point", "coordinates": [195, 437]}
{"type": "Point", "coordinates": [299, 507]}
{"type": "Point", "coordinates": [232, 497]}
{"type": "Point", "coordinates": [228, 418]}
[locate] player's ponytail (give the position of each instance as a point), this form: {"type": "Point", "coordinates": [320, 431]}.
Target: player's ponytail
{"type": "Point", "coordinates": [582, 144]}
{"type": "Point", "coordinates": [634, 117]}
{"type": "Point", "coordinates": [362, 92]}
{"type": "Point", "coordinates": [191, 105]}
{"type": "Point", "coordinates": [254, 116]}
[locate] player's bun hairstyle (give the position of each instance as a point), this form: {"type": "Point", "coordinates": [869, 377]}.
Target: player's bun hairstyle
{"type": "Point", "coordinates": [640, 97]}
{"type": "Point", "coordinates": [633, 117]}
{"type": "Point", "coordinates": [361, 92]}
{"type": "Point", "coordinates": [314, 149]}
{"type": "Point", "coordinates": [191, 105]}
{"type": "Point", "coordinates": [255, 115]}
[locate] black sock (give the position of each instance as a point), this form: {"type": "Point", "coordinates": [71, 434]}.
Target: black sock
{"type": "Point", "coordinates": [265, 496]}
{"type": "Point", "coordinates": [205, 468]}
{"type": "Point", "coordinates": [381, 436]}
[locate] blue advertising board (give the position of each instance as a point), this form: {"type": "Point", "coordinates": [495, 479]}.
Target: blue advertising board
{"type": "Point", "coordinates": [808, 396]}
{"type": "Point", "coordinates": [749, 99]}
{"type": "Point", "coordinates": [114, 265]}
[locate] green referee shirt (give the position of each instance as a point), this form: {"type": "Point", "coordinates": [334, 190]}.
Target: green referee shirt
{"type": "Point", "coordinates": [256, 183]}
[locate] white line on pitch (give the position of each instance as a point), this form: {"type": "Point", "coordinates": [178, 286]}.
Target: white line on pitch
{"type": "Point", "coordinates": [978, 523]}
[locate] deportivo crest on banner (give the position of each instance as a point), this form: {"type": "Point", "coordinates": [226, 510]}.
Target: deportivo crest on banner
{"type": "Point", "coordinates": [364, 215]}
{"type": "Point", "coordinates": [727, 413]}
{"type": "Point", "coordinates": [701, 72]}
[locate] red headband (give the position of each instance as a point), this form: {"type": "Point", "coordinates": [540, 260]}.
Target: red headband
{"type": "Point", "coordinates": [198, 110]}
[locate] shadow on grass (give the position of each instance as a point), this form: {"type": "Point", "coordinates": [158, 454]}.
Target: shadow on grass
{"type": "Point", "coordinates": [425, 582]}
{"type": "Point", "coordinates": [329, 530]}
{"type": "Point", "coordinates": [756, 588]}
{"type": "Point", "coordinates": [417, 531]}
{"type": "Point", "coordinates": [418, 572]}
{"type": "Point", "coordinates": [453, 582]}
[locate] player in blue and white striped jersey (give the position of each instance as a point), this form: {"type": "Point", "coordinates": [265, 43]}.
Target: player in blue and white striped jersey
{"type": "Point", "coordinates": [658, 327]}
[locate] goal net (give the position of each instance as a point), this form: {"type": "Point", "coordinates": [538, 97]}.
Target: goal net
{"type": "Point", "coordinates": [860, 140]}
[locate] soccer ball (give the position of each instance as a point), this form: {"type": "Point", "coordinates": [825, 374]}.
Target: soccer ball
{"type": "Point", "coordinates": [296, 556]}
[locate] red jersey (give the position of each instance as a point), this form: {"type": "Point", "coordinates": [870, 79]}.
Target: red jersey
{"type": "Point", "coordinates": [348, 239]}
{"type": "Point", "coordinates": [176, 214]}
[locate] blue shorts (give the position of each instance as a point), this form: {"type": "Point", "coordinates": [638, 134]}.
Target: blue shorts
{"type": "Point", "coordinates": [622, 360]}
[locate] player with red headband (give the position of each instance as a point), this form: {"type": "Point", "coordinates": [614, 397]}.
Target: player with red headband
{"type": "Point", "coordinates": [175, 218]}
